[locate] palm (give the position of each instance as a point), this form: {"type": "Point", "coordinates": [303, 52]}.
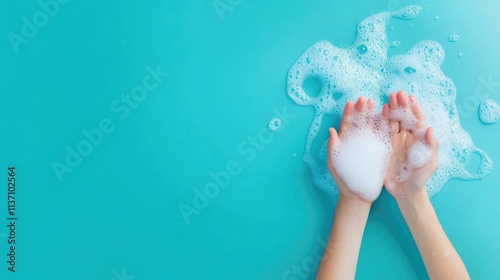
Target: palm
{"type": "Point", "coordinates": [346, 125]}
{"type": "Point", "coordinates": [401, 141]}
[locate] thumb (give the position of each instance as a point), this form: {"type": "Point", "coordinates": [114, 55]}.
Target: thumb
{"type": "Point", "coordinates": [333, 138]}
{"type": "Point", "coordinates": [331, 143]}
{"type": "Point", "coordinates": [431, 140]}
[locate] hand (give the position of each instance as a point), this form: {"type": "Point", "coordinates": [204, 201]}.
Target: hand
{"type": "Point", "coordinates": [402, 139]}
{"type": "Point", "coordinates": [345, 126]}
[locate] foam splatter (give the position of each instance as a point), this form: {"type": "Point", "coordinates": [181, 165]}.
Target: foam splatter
{"type": "Point", "coordinates": [489, 111]}
{"type": "Point", "coordinates": [364, 69]}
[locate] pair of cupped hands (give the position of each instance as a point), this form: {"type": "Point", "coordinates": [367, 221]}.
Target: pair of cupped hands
{"type": "Point", "coordinates": [401, 140]}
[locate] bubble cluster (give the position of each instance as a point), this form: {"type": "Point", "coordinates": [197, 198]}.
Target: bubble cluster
{"type": "Point", "coordinates": [364, 69]}
{"type": "Point", "coordinates": [489, 111]}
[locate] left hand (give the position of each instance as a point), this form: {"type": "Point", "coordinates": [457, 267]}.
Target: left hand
{"type": "Point", "coordinates": [345, 126]}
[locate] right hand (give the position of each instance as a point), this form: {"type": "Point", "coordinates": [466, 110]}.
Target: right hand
{"type": "Point", "coordinates": [402, 140]}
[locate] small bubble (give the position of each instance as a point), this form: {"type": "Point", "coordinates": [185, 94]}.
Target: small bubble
{"type": "Point", "coordinates": [436, 18]}
{"type": "Point", "coordinates": [391, 28]}
{"type": "Point", "coordinates": [411, 25]}
{"type": "Point", "coordinates": [453, 38]}
{"type": "Point", "coordinates": [410, 70]}
{"type": "Point", "coordinates": [274, 124]}
{"type": "Point", "coordinates": [460, 54]}
{"type": "Point", "coordinates": [362, 49]}
{"type": "Point", "coordinates": [294, 155]}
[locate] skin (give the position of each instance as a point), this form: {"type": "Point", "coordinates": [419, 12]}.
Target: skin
{"type": "Point", "coordinates": [341, 253]}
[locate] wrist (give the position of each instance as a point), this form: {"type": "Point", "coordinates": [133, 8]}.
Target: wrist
{"type": "Point", "coordinates": [413, 199]}
{"type": "Point", "coordinates": [354, 202]}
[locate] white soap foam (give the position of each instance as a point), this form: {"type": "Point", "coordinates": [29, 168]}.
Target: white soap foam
{"type": "Point", "coordinates": [419, 154]}
{"type": "Point", "coordinates": [361, 155]}
{"type": "Point", "coordinates": [364, 69]}
{"type": "Point", "coordinates": [489, 111]}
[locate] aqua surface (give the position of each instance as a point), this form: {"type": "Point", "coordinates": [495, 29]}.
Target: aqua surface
{"type": "Point", "coordinates": [108, 147]}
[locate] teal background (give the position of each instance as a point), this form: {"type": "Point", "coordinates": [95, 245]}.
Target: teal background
{"type": "Point", "coordinates": [120, 207]}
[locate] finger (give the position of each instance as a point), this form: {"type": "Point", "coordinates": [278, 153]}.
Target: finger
{"type": "Point", "coordinates": [370, 115]}
{"type": "Point", "coordinates": [333, 139]}
{"type": "Point", "coordinates": [371, 104]}
{"type": "Point", "coordinates": [404, 135]}
{"type": "Point", "coordinates": [402, 99]}
{"type": "Point", "coordinates": [395, 126]}
{"type": "Point", "coordinates": [393, 101]}
{"type": "Point", "coordinates": [386, 111]}
{"type": "Point", "coordinates": [431, 140]}
{"type": "Point", "coordinates": [415, 107]}
{"type": "Point", "coordinates": [346, 117]}
{"type": "Point", "coordinates": [360, 104]}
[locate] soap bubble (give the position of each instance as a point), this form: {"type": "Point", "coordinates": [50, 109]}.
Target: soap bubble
{"type": "Point", "coordinates": [362, 49]}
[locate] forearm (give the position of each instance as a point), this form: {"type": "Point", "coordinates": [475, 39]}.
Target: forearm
{"type": "Point", "coordinates": [341, 253]}
{"type": "Point", "coordinates": [440, 257]}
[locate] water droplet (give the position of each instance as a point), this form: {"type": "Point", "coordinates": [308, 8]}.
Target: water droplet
{"type": "Point", "coordinates": [410, 70]}
{"type": "Point", "coordinates": [453, 38]}
{"type": "Point", "coordinates": [446, 255]}
{"type": "Point", "coordinates": [436, 18]}
{"type": "Point", "coordinates": [362, 49]}
{"type": "Point", "coordinates": [294, 155]}
{"type": "Point", "coordinates": [391, 28]}
{"type": "Point", "coordinates": [433, 254]}
{"type": "Point", "coordinates": [274, 124]}
{"type": "Point", "coordinates": [460, 54]}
